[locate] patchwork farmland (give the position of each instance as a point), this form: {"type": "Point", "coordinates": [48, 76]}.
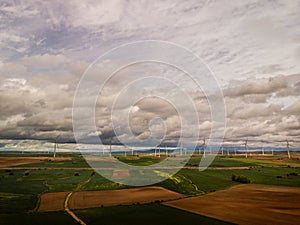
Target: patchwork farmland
{"type": "Point", "coordinates": [42, 184]}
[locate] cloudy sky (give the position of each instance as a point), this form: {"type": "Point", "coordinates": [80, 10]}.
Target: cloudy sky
{"type": "Point", "coordinates": [252, 48]}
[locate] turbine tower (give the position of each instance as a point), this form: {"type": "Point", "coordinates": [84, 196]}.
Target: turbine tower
{"type": "Point", "coordinates": [288, 148]}
{"type": "Point", "coordinates": [246, 148]}
{"type": "Point", "coordinates": [181, 150]}
{"type": "Point", "coordinates": [110, 140]}
{"type": "Point", "coordinates": [204, 147]}
{"type": "Point", "coordinates": [55, 147]}
{"type": "Point", "coordinates": [159, 151]}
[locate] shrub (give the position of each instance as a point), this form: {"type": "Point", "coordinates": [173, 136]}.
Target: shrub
{"type": "Point", "coordinates": [243, 180]}
{"type": "Point", "coordinates": [292, 174]}
{"type": "Point", "coordinates": [233, 177]}
{"type": "Point", "coordinates": [76, 174]}
{"type": "Point", "coordinates": [278, 176]}
{"type": "Point", "coordinates": [240, 179]}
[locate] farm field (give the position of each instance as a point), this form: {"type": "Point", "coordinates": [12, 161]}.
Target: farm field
{"type": "Point", "coordinates": [149, 213]}
{"type": "Point", "coordinates": [247, 204]}
{"type": "Point", "coordinates": [29, 183]}
{"type": "Point", "coordinates": [92, 199]}
{"type": "Point", "coordinates": [17, 161]}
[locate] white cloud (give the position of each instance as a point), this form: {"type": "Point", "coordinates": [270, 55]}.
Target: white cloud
{"type": "Point", "coordinates": [251, 46]}
{"type": "Point", "coordinates": [45, 60]}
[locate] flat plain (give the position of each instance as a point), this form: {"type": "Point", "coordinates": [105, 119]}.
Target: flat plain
{"type": "Point", "coordinates": [190, 196]}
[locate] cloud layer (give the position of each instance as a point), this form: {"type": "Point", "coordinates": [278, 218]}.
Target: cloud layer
{"type": "Point", "coordinates": [252, 47]}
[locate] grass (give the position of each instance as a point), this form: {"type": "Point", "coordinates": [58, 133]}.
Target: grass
{"type": "Point", "coordinates": [220, 162]}
{"type": "Point", "coordinates": [10, 202]}
{"type": "Point", "coordinates": [142, 214]}
{"type": "Point", "coordinates": [268, 162]}
{"type": "Point", "coordinates": [139, 161]}
{"type": "Point", "coordinates": [13, 182]}
{"type": "Point", "coordinates": [241, 161]}
{"type": "Point", "coordinates": [131, 215]}
{"type": "Point", "coordinates": [100, 183]}
{"type": "Point", "coordinates": [193, 182]}
{"type": "Point", "coordinates": [77, 162]}
{"type": "Point", "coordinates": [53, 218]}
{"type": "Point", "coordinates": [186, 181]}
{"type": "Point", "coordinates": [25, 186]}
{"type": "Point", "coordinates": [40, 181]}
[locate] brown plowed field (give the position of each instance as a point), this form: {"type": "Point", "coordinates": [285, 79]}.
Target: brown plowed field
{"type": "Point", "coordinates": [90, 199]}
{"type": "Point", "coordinates": [247, 204]}
{"type": "Point", "coordinates": [16, 161]}
{"type": "Point", "coordinates": [52, 201]}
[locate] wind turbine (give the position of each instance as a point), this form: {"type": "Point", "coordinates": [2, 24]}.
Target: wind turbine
{"type": "Point", "coordinates": [262, 150]}
{"type": "Point", "coordinates": [288, 148]}
{"type": "Point", "coordinates": [246, 148]}
{"type": "Point", "coordinates": [55, 146]}
{"type": "Point", "coordinates": [159, 151]}
{"type": "Point", "coordinates": [204, 147]}
{"type": "Point", "coordinates": [110, 140]}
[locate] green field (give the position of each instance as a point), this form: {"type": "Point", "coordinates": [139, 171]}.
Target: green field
{"type": "Point", "coordinates": [20, 189]}
{"type": "Point", "coordinates": [147, 214]}
{"type": "Point", "coordinates": [53, 218]}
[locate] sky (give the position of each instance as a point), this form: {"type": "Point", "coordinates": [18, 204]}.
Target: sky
{"type": "Point", "coordinates": [251, 47]}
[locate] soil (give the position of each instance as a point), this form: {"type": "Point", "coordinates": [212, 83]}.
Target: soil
{"type": "Point", "coordinates": [52, 201]}
{"type": "Point", "coordinates": [247, 204]}
{"type": "Point", "coordinates": [90, 199]}
{"type": "Point", "coordinates": [16, 161]}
